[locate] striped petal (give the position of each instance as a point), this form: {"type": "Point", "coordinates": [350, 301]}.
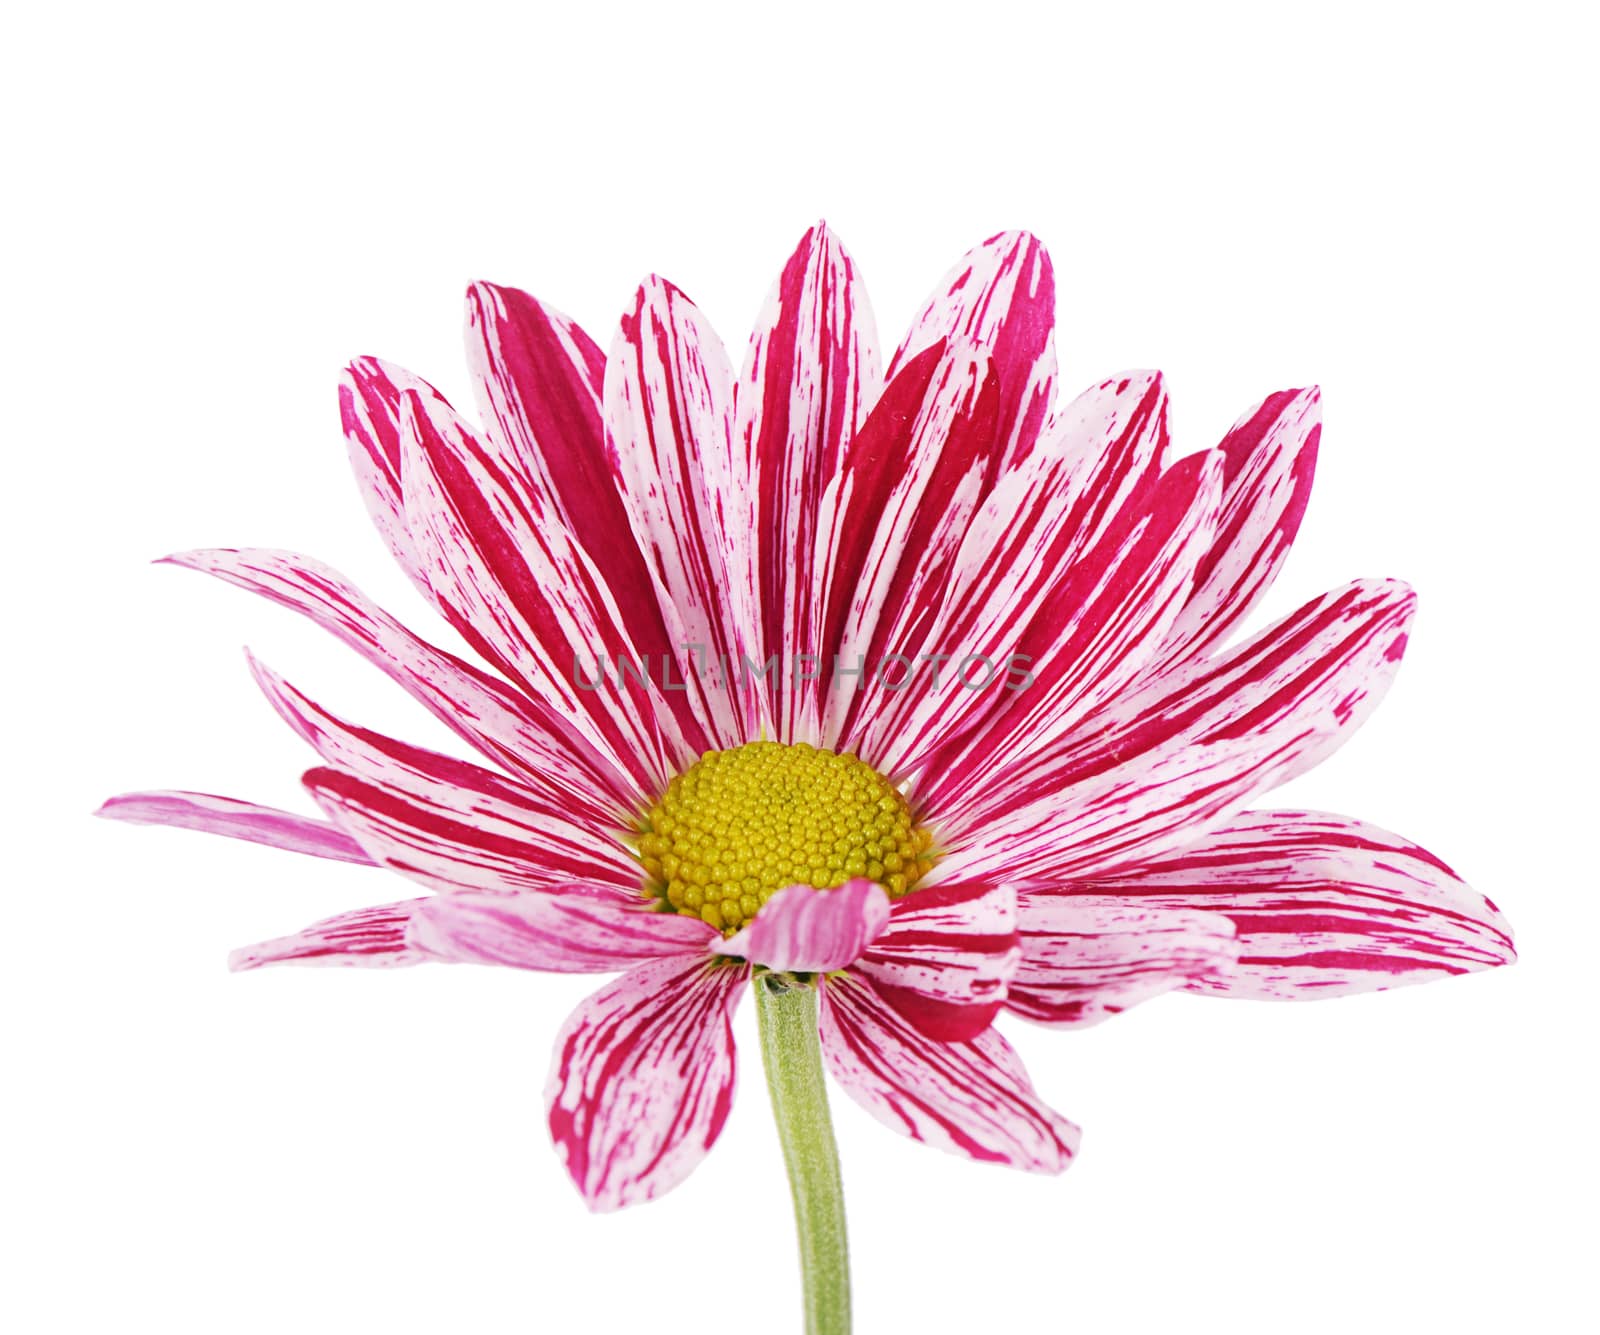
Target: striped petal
{"type": "Point", "coordinates": [972, 1098]}
{"type": "Point", "coordinates": [668, 409]}
{"type": "Point", "coordinates": [1116, 819]}
{"type": "Point", "coordinates": [1093, 635]}
{"type": "Point", "coordinates": [643, 1078]}
{"type": "Point", "coordinates": [237, 820]}
{"type": "Point", "coordinates": [1325, 906]}
{"type": "Point", "coordinates": [370, 938]}
{"type": "Point", "coordinates": [1316, 673]}
{"type": "Point", "coordinates": [1021, 545]}
{"type": "Point", "coordinates": [540, 384]}
{"type": "Point", "coordinates": [1268, 461]}
{"type": "Point", "coordinates": [905, 513]}
{"type": "Point", "coordinates": [1000, 296]}
{"type": "Point", "coordinates": [811, 374]}
{"type": "Point", "coordinates": [527, 595]}
{"type": "Point", "coordinates": [1085, 958]}
{"type": "Point", "coordinates": [812, 931]}
{"type": "Point", "coordinates": [576, 929]}
{"type": "Point", "coordinates": [369, 407]}
{"type": "Point", "coordinates": [525, 735]}
{"type": "Point", "coordinates": [945, 958]}
{"type": "Point", "coordinates": [445, 821]}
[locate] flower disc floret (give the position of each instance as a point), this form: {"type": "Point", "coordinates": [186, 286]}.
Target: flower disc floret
{"type": "Point", "coordinates": [739, 825]}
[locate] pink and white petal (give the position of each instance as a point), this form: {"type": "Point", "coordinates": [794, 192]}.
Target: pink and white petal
{"type": "Point", "coordinates": [1120, 818]}
{"type": "Point", "coordinates": [1086, 957]}
{"type": "Point", "coordinates": [540, 383]}
{"type": "Point", "coordinates": [1000, 296]}
{"type": "Point", "coordinates": [527, 595]}
{"type": "Point", "coordinates": [1268, 461]}
{"type": "Point", "coordinates": [808, 380]}
{"type": "Point", "coordinates": [669, 422]}
{"type": "Point", "coordinates": [236, 820]}
{"type": "Point", "coordinates": [944, 961]}
{"type": "Point", "coordinates": [801, 929]}
{"type": "Point", "coordinates": [1325, 906]}
{"type": "Point", "coordinates": [1316, 674]}
{"type": "Point", "coordinates": [910, 517]}
{"type": "Point", "coordinates": [569, 929]}
{"type": "Point", "coordinates": [1091, 638]}
{"type": "Point", "coordinates": [971, 1097]}
{"type": "Point", "coordinates": [643, 1079]}
{"type": "Point", "coordinates": [487, 811]}
{"type": "Point", "coordinates": [523, 734]}
{"type": "Point", "coordinates": [369, 938]}
{"type": "Point", "coordinates": [1022, 544]}
{"type": "Point", "coordinates": [369, 407]}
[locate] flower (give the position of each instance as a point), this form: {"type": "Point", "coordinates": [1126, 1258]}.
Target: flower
{"type": "Point", "coordinates": [915, 690]}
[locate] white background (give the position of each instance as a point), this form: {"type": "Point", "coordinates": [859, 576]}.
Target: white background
{"type": "Point", "coordinates": [212, 208]}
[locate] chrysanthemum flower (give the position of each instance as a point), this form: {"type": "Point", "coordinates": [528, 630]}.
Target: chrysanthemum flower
{"type": "Point", "coordinates": [907, 695]}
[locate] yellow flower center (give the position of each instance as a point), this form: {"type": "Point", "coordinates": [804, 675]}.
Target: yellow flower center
{"type": "Point", "coordinates": [739, 825]}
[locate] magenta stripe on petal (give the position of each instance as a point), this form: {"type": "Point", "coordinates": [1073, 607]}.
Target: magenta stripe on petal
{"type": "Point", "coordinates": [523, 734]}
{"type": "Point", "coordinates": [486, 811]}
{"type": "Point", "coordinates": [810, 376]}
{"type": "Point", "coordinates": [370, 938]}
{"type": "Point", "coordinates": [814, 931]}
{"type": "Point", "coordinates": [1000, 296]}
{"type": "Point", "coordinates": [1086, 957]}
{"type": "Point", "coordinates": [566, 929]}
{"type": "Point", "coordinates": [642, 1079]}
{"type": "Point", "coordinates": [237, 820]}
{"type": "Point", "coordinates": [944, 960]}
{"type": "Point", "coordinates": [1325, 905]}
{"type": "Point", "coordinates": [972, 1098]}
{"type": "Point", "coordinates": [669, 422]}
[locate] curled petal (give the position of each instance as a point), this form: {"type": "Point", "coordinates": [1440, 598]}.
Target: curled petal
{"type": "Point", "coordinates": [643, 1077]}
{"type": "Point", "coordinates": [945, 957]}
{"type": "Point", "coordinates": [972, 1098]}
{"type": "Point", "coordinates": [812, 931]}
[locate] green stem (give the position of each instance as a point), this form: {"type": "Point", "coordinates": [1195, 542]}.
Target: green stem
{"type": "Point", "coordinates": [787, 1015]}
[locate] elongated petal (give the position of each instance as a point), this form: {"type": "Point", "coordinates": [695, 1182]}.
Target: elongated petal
{"type": "Point", "coordinates": [800, 928]}
{"type": "Point", "coordinates": [1093, 635]}
{"type": "Point", "coordinates": [540, 382]}
{"type": "Point", "coordinates": [1269, 458]}
{"type": "Point", "coordinates": [493, 824]}
{"type": "Point", "coordinates": [528, 596]}
{"type": "Point", "coordinates": [1085, 958]}
{"type": "Point", "coordinates": [237, 820]}
{"type": "Point", "coordinates": [1118, 818]}
{"type": "Point", "coordinates": [811, 374]}
{"type": "Point", "coordinates": [972, 1098]}
{"type": "Point", "coordinates": [1000, 296]}
{"type": "Point", "coordinates": [669, 421]}
{"type": "Point", "coordinates": [1325, 905]}
{"type": "Point", "coordinates": [1317, 673]}
{"type": "Point", "coordinates": [643, 1078]}
{"type": "Point", "coordinates": [910, 512]}
{"type": "Point", "coordinates": [369, 407]}
{"type": "Point", "coordinates": [944, 961]}
{"type": "Point", "coordinates": [370, 938]}
{"type": "Point", "coordinates": [569, 929]}
{"type": "Point", "coordinates": [523, 734]}
{"type": "Point", "coordinates": [1016, 556]}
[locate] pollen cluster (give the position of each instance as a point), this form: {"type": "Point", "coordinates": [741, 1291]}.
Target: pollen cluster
{"type": "Point", "coordinates": [740, 824]}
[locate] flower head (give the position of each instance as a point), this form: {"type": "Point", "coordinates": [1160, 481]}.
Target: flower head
{"type": "Point", "coordinates": [916, 689]}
